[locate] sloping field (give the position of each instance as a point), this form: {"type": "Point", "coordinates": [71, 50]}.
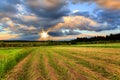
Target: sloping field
{"type": "Point", "coordinates": [67, 63]}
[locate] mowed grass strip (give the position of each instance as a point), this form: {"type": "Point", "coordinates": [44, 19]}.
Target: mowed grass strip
{"type": "Point", "coordinates": [110, 68]}
{"type": "Point", "coordinates": [106, 57]}
{"type": "Point", "coordinates": [43, 71]}
{"type": "Point", "coordinates": [35, 70]}
{"type": "Point", "coordinates": [32, 69]}
{"type": "Point", "coordinates": [61, 71]}
{"type": "Point", "coordinates": [74, 74]}
{"type": "Point", "coordinates": [80, 70]}
{"type": "Point", "coordinates": [91, 65]}
{"type": "Point", "coordinates": [51, 72]}
{"type": "Point", "coordinates": [112, 56]}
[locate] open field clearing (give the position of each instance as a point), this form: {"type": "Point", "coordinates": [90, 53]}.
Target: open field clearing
{"type": "Point", "coordinates": [60, 63]}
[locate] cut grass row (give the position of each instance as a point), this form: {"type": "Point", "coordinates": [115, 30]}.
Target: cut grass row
{"type": "Point", "coordinates": [60, 70]}
{"type": "Point", "coordinates": [108, 55]}
{"type": "Point", "coordinates": [92, 65]}
{"type": "Point", "coordinates": [74, 72]}
{"type": "Point", "coordinates": [78, 71]}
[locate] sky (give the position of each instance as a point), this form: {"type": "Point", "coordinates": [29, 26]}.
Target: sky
{"type": "Point", "coordinates": [58, 19]}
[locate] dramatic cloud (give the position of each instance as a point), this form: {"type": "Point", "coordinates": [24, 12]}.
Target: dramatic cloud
{"type": "Point", "coordinates": [46, 4]}
{"type": "Point", "coordinates": [81, 23]}
{"type": "Point", "coordinates": [110, 17]}
{"type": "Point", "coordinates": [8, 7]}
{"type": "Point", "coordinates": [25, 19]}
{"type": "Point", "coordinates": [63, 32]}
{"type": "Point", "coordinates": [48, 8]}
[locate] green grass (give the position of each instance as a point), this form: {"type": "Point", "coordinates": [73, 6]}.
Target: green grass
{"type": "Point", "coordinates": [10, 57]}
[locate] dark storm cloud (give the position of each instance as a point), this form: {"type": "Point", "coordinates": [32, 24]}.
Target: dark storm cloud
{"type": "Point", "coordinates": [48, 8]}
{"type": "Point", "coordinates": [63, 33]}
{"type": "Point", "coordinates": [51, 13]}
{"type": "Point", "coordinates": [8, 5]}
{"type": "Point", "coordinates": [27, 37]}
{"type": "Point", "coordinates": [46, 4]}
{"type": "Point", "coordinates": [38, 22]}
{"type": "Point", "coordinates": [8, 8]}
{"type": "Point", "coordinates": [46, 23]}
{"type": "Point", "coordinates": [112, 17]}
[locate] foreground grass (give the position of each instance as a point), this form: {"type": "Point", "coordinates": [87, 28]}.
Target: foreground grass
{"type": "Point", "coordinates": [64, 63]}
{"type": "Point", "coordinates": [10, 57]}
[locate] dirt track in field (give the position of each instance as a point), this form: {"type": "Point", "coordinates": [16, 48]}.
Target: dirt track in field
{"type": "Point", "coordinates": [67, 63]}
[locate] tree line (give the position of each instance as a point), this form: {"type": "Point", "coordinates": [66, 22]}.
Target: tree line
{"type": "Point", "coordinates": [112, 38]}
{"type": "Point", "coordinates": [108, 38]}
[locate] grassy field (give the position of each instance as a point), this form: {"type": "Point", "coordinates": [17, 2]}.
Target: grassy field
{"type": "Point", "coordinates": [61, 63]}
{"type": "Point", "coordinates": [107, 45]}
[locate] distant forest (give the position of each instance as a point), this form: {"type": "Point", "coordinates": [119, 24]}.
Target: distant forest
{"type": "Point", "coordinates": [112, 38]}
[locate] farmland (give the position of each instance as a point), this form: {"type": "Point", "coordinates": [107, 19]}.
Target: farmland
{"type": "Point", "coordinates": [76, 62]}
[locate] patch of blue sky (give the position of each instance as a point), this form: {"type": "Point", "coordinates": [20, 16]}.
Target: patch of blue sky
{"type": "Point", "coordinates": [1, 26]}
{"type": "Point", "coordinates": [83, 7]}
